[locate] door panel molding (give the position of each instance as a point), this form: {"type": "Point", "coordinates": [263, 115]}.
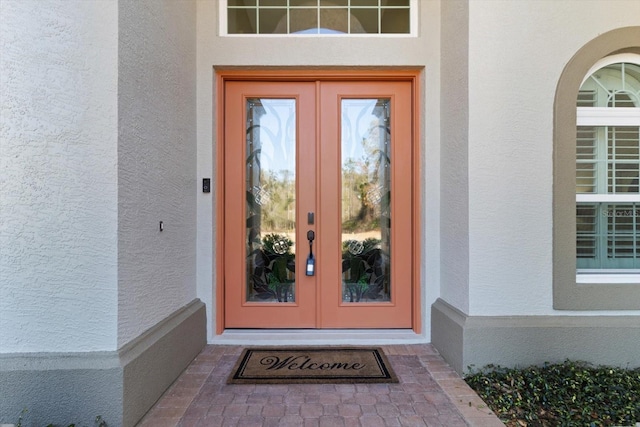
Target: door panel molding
{"type": "Point", "coordinates": [239, 312]}
{"type": "Point", "coordinates": [396, 313]}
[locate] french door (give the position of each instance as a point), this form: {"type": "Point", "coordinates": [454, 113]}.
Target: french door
{"type": "Point", "coordinates": [318, 204]}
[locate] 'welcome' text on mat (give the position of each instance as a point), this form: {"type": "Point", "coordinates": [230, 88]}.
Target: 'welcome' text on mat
{"type": "Point", "coordinates": [312, 365]}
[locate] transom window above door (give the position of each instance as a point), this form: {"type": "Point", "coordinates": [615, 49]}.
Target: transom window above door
{"type": "Point", "coordinates": [318, 17]}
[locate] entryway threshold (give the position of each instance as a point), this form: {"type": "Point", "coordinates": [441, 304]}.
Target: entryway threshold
{"type": "Point", "coordinates": [315, 337]}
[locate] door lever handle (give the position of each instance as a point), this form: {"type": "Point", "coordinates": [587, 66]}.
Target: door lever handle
{"type": "Point", "coordinates": [311, 262]}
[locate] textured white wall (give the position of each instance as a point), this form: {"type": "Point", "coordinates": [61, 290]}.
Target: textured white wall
{"type": "Point", "coordinates": [84, 132]}
{"type": "Point", "coordinates": [156, 162]}
{"type": "Point", "coordinates": [58, 160]}
{"type": "Point", "coordinates": [323, 52]}
{"type": "Point", "coordinates": [517, 53]}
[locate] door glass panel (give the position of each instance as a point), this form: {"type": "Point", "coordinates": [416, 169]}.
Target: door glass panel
{"type": "Point", "coordinates": [366, 197]}
{"type": "Point", "coordinates": [271, 204]}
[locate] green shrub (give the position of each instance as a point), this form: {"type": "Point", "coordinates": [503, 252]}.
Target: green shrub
{"type": "Point", "coordinates": [565, 394]}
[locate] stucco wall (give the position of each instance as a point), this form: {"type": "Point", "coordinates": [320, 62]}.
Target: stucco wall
{"type": "Point", "coordinates": [58, 166]}
{"type": "Point", "coordinates": [293, 51]}
{"type": "Point", "coordinates": [454, 143]}
{"type": "Point", "coordinates": [517, 51]}
{"type": "Point", "coordinates": [156, 162]}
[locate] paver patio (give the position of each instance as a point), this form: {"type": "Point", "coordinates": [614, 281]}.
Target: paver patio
{"type": "Point", "coordinates": [430, 393]}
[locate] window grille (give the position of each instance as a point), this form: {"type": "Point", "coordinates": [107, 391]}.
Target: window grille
{"type": "Point", "coordinates": [318, 17]}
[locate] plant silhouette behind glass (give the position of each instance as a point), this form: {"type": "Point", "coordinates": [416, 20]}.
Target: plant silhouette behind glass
{"type": "Point", "coordinates": [364, 270]}
{"type": "Point", "coordinates": [273, 267]}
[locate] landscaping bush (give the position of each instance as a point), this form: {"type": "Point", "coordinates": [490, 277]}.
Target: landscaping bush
{"type": "Point", "coordinates": [565, 394]}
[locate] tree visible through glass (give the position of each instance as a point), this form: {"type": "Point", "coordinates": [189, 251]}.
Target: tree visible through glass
{"type": "Point", "coordinates": [366, 200]}
{"type": "Point", "coordinates": [271, 200]}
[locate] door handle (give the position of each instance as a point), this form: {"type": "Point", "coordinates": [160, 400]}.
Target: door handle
{"type": "Point", "coordinates": [311, 262]}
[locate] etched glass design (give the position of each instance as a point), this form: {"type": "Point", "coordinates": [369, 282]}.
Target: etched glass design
{"type": "Point", "coordinates": [271, 203]}
{"type": "Point", "coordinates": [366, 200]}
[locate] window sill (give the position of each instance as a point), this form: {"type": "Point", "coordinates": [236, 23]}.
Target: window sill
{"type": "Point", "coordinates": [608, 278]}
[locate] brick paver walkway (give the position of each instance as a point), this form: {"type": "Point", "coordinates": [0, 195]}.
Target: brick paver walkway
{"type": "Point", "coordinates": [429, 393]}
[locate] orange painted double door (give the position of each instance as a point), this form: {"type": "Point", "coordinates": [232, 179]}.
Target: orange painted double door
{"type": "Point", "coordinates": [318, 204]}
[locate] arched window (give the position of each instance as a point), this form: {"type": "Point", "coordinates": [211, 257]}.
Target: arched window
{"type": "Point", "coordinates": [608, 167]}
{"type": "Point", "coordinates": [596, 169]}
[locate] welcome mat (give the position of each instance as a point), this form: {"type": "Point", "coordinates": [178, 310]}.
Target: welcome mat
{"type": "Point", "coordinates": [312, 365]}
